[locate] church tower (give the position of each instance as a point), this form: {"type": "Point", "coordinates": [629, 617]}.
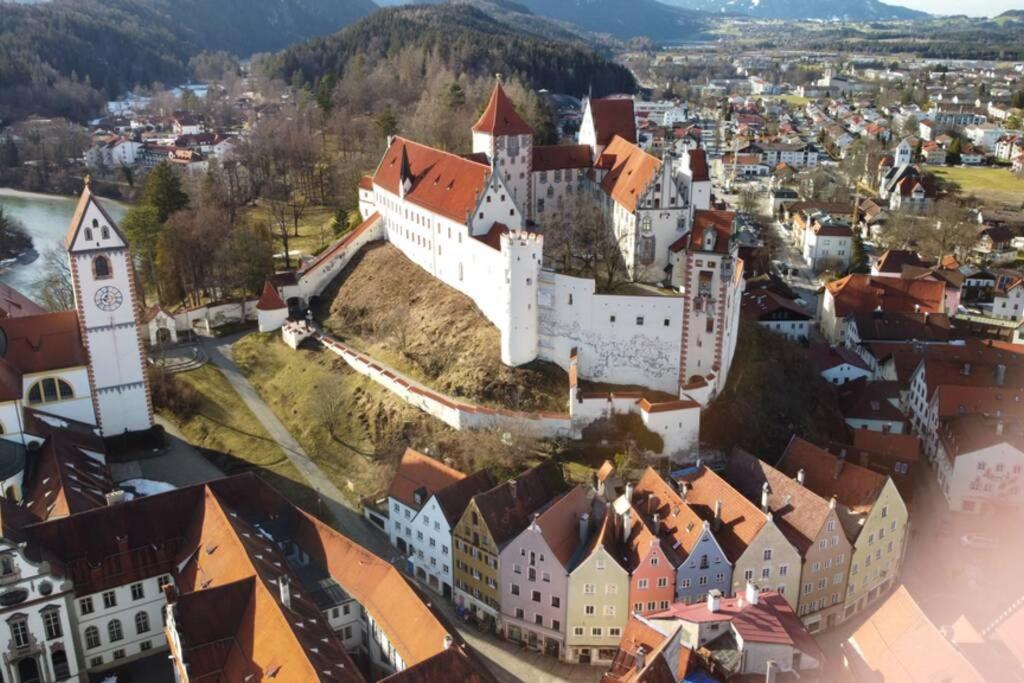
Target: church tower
{"type": "Point", "coordinates": [108, 315]}
{"type": "Point", "coordinates": [507, 140]}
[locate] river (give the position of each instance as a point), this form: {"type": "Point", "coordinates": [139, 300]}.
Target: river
{"type": "Point", "coordinates": [46, 217]}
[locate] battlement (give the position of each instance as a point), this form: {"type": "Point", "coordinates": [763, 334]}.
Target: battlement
{"type": "Point", "coordinates": [523, 238]}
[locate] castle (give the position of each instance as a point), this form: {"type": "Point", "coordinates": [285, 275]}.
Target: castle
{"type": "Point", "coordinates": [477, 223]}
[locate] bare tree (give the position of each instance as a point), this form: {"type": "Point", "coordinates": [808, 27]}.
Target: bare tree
{"type": "Point", "coordinates": [580, 240]}
{"type": "Point", "coordinates": [329, 409]}
{"type": "Point", "coordinates": [55, 288]}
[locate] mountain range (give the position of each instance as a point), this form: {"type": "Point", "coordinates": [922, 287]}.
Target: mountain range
{"type": "Point", "coordinates": [852, 10]}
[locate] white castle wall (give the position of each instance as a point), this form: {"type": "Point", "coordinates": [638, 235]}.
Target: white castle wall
{"type": "Point", "coordinates": [613, 346]}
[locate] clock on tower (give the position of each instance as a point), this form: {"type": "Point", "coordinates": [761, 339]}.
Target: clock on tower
{"type": "Point", "coordinates": [108, 316]}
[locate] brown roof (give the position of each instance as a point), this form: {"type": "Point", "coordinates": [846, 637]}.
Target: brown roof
{"type": "Point", "coordinates": [444, 183]}
{"type": "Point", "coordinates": [865, 293]}
{"type": "Point", "coordinates": [553, 157]}
{"type": "Point", "coordinates": [560, 523]}
{"type": "Point", "coordinates": [64, 480]}
{"type": "Point", "coordinates": [500, 116]}
{"type": "Point", "coordinates": [823, 357]}
{"type": "Point", "coordinates": [970, 433]}
{"type": "Point", "coordinates": [893, 260]}
{"type": "Point", "coordinates": [741, 520]}
{"type": "Point", "coordinates": [703, 221]}
{"type": "Point", "coordinates": [699, 165]}
{"type": "Point", "coordinates": [861, 399]}
{"type": "Point", "coordinates": [39, 343]}
{"type": "Point", "coordinates": [631, 171]}
{"type": "Point", "coordinates": [14, 304]}
{"type": "Point", "coordinates": [902, 446]}
{"type": "Point", "coordinates": [270, 300]}
{"type": "Point", "coordinates": [626, 668]}
{"type": "Point", "coordinates": [454, 498]}
{"type": "Point", "coordinates": [419, 473]}
{"type": "Point", "coordinates": [829, 476]}
{"type": "Point", "coordinates": [457, 663]}
{"type": "Point", "coordinates": [799, 513]}
{"type": "Point", "coordinates": [492, 237]}
{"type": "Point", "coordinates": [764, 303]}
{"type": "Point", "coordinates": [613, 118]}
{"type": "Point", "coordinates": [506, 508]}
{"type": "Point", "coordinates": [898, 644]}
{"type": "Point", "coordinates": [892, 326]}
{"type": "Point", "coordinates": [681, 527]}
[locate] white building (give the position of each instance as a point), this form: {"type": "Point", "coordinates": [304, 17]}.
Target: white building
{"type": "Point", "coordinates": [425, 499]}
{"type": "Point", "coordinates": [980, 462]}
{"type": "Point", "coordinates": [466, 221]}
{"type": "Point", "coordinates": [828, 244]}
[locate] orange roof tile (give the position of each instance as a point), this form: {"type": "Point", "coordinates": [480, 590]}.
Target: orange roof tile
{"type": "Point", "coordinates": [613, 117]}
{"type": "Point", "coordinates": [500, 116]}
{"type": "Point", "coordinates": [829, 476]}
{"type": "Point", "coordinates": [741, 520]}
{"type": "Point", "coordinates": [419, 472]}
{"type": "Point", "coordinates": [270, 300]}
{"type": "Point", "coordinates": [560, 524]}
{"type": "Point", "coordinates": [681, 527]}
{"type": "Point", "coordinates": [632, 171]}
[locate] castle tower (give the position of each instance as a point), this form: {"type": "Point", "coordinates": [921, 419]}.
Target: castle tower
{"type": "Point", "coordinates": [521, 253]}
{"type": "Point", "coordinates": [107, 302]}
{"type": "Point", "coordinates": [507, 140]}
{"type": "Point", "coordinates": [904, 154]}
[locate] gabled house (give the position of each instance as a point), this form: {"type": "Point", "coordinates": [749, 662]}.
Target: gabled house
{"type": "Point", "coordinates": [703, 564]}
{"type": "Point", "coordinates": [755, 634]}
{"type": "Point", "coordinates": [535, 573]}
{"type": "Point", "coordinates": [811, 523]}
{"type": "Point", "coordinates": [491, 521]}
{"type": "Point", "coordinates": [873, 514]}
{"type": "Point", "coordinates": [875, 406]}
{"type": "Point", "coordinates": [598, 599]}
{"type": "Point", "coordinates": [651, 563]}
{"type": "Point", "coordinates": [651, 652]}
{"type": "Point", "coordinates": [753, 543]}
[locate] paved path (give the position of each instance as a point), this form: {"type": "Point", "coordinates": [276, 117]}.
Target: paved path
{"type": "Point", "coordinates": [345, 517]}
{"type": "Point", "coordinates": [177, 463]}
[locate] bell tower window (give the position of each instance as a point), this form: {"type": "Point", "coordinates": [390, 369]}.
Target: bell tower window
{"type": "Point", "coordinates": [101, 267]}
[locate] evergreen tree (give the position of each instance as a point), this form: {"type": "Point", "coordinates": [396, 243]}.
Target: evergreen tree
{"type": "Point", "coordinates": [859, 256]}
{"type": "Point", "coordinates": [325, 93]}
{"type": "Point", "coordinates": [953, 153]}
{"type": "Point", "coordinates": [456, 96]}
{"type": "Point", "coordinates": [142, 227]}
{"type": "Point", "coordinates": [163, 191]}
{"type": "Point", "coordinates": [9, 153]}
{"type": "Point", "coordinates": [387, 122]}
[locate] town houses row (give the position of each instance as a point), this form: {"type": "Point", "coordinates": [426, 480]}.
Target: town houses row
{"type": "Point", "coordinates": [562, 568]}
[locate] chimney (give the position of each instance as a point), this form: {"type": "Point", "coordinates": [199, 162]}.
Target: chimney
{"type": "Point", "coordinates": [629, 492]}
{"type": "Point", "coordinates": [832, 503]}
{"type": "Point", "coordinates": [684, 488]}
{"type": "Point", "coordinates": [800, 476]}
{"type": "Point", "coordinates": [584, 527]}
{"type": "Point", "coordinates": [764, 497]}
{"type": "Point", "coordinates": [512, 488]}
{"type": "Point", "coordinates": [448, 641]}
{"type": "Point", "coordinates": [115, 497]}
{"type": "Point", "coordinates": [640, 658]}
{"type": "Point", "coordinates": [753, 593]}
{"type": "Point", "coordinates": [657, 524]}
{"type": "Point", "coordinates": [772, 672]}
{"type": "Point", "coordinates": [999, 428]}
{"type": "Point", "coordinates": [714, 600]}
{"type": "Point", "coordinates": [284, 584]}
{"type": "Point", "coordinates": [718, 514]}
{"type": "Point", "coordinates": [1000, 375]}
{"type": "Point", "coordinates": [840, 461]}
{"type": "Point", "coordinates": [627, 525]}
{"type": "Point", "coordinates": [967, 369]}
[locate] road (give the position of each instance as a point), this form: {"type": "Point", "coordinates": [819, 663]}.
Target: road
{"type": "Point", "coordinates": [345, 516]}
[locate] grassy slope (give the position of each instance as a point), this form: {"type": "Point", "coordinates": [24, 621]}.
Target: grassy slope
{"type": "Point", "coordinates": [234, 440]}
{"type": "Point", "coordinates": [997, 186]}
{"type": "Point", "coordinates": [367, 311]}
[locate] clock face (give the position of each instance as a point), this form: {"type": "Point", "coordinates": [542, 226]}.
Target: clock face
{"type": "Point", "coordinates": [109, 298]}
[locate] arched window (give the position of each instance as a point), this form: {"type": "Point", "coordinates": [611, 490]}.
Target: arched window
{"type": "Point", "coordinates": [92, 637]}
{"type": "Point", "coordinates": [88, 234]}
{"type": "Point", "coordinates": [142, 623]}
{"type": "Point", "coordinates": [105, 232]}
{"type": "Point", "coordinates": [49, 390]}
{"type": "Point", "coordinates": [101, 267]}
{"type": "Point", "coordinates": [61, 670]}
{"type": "Point", "coordinates": [114, 630]}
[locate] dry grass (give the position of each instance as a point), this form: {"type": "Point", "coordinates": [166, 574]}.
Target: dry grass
{"type": "Point", "coordinates": [394, 311]}
{"type": "Point", "coordinates": [995, 187]}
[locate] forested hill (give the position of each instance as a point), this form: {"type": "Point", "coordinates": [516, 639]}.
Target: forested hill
{"type": "Point", "coordinates": [467, 40]}
{"type": "Point", "coordinates": [55, 56]}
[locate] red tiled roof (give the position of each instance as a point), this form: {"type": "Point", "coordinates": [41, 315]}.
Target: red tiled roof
{"type": "Point", "coordinates": [902, 446]}
{"type": "Point", "coordinates": [65, 480]}
{"type": "Point", "coordinates": [418, 471]}
{"type": "Point", "coordinates": [441, 182]}
{"type": "Point", "coordinates": [864, 293]}
{"type": "Point", "coordinates": [681, 527]}
{"type": "Point", "coordinates": [560, 524]}
{"type": "Point", "coordinates": [699, 165]}
{"type": "Point", "coordinates": [14, 304]}
{"type": "Point", "coordinates": [492, 237]}
{"type": "Point", "coordinates": [553, 157]}
{"type": "Point", "coordinates": [270, 300]}
{"type": "Point", "coordinates": [500, 116]}
{"type": "Point", "coordinates": [631, 171]}
{"type": "Point", "coordinates": [39, 343]}
{"type": "Point", "coordinates": [613, 117]}
{"type": "Point", "coordinates": [829, 476]}
{"type": "Point", "coordinates": [741, 520]}
{"type": "Point", "coordinates": [76, 220]}
{"type": "Point", "coordinates": [703, 221]}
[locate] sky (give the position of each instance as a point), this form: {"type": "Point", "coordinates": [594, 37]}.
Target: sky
{"type": "Point", "coordinates": [974, 8]}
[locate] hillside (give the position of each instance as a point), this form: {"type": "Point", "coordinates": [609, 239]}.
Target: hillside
{"type": "Point", "coordinates": [393, 310]}
{"type": "Point", "coordinates": [467, 40]}
{"type": "Point", "coordinates": [852, 10]}
{"type": "Point", "coordinates": [62, 57]}
{"type": "Point", "coordinates": [622, 19]}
